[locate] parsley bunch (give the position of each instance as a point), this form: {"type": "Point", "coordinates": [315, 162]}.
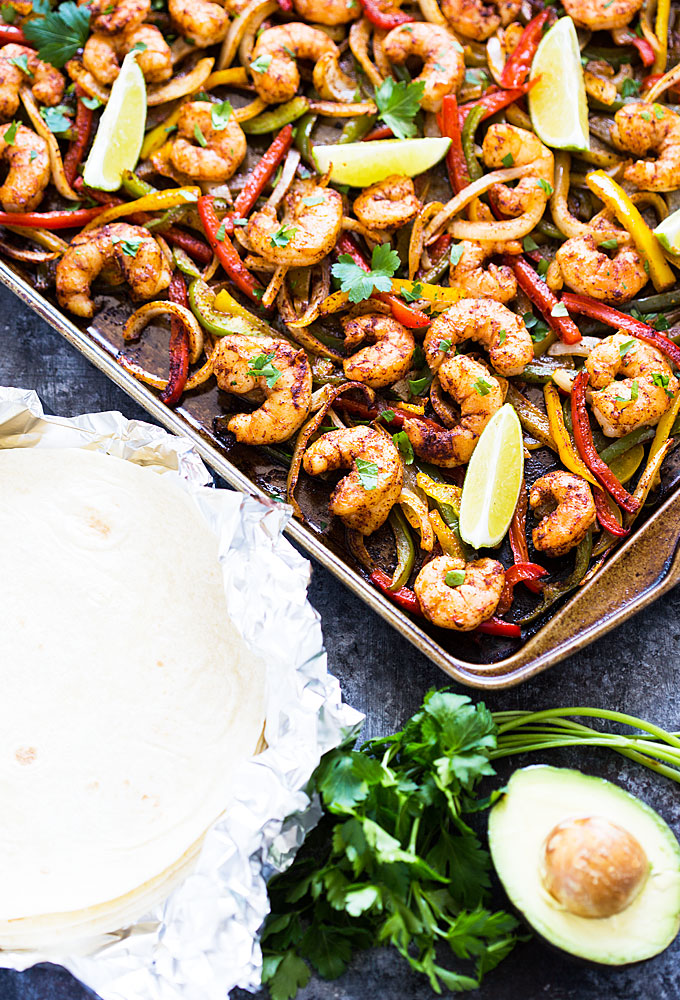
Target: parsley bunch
{"type": "Point", "coordinates": [393, 861]}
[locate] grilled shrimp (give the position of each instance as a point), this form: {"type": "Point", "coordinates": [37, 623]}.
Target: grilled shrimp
{"type": "Point", "coordinates": [46, 82]}
{"type": "Point", "coordinates": [463, 607]}
{"type": "Point", "coordinates": [108, 17]}
{"type": "Point", "coordinates": [103, 53]}
{"type": "Point", "coordinates": [123, 253]}
{"type": "Point", "coordinates": [310, 231]}
{"type": "Point", "coordinates": [644, 393]}
{"type": "Point", "coordinates": [224, 148]}
{"type": "Point", "coordinates": [565, 504]}
{"type": "Point", "coordinates": [388, 203]}
{"type": "Point", "coordinates": [277, 51]}
{"type": "Point", "coordinates": [387, 359]}
{"type": "Point", "coordinates": [590, 271]}
{"type": "Point", "coordinates": [201, 21]}
{"type": "Point", "coordinates": [478, 20]}
{"type": "Point", "coordinates": [644, 129]}
{"type": "Point", "coordinates": [363, 508]}
{"type": "Point", "coordinates": [285, 385]}
{"type": "Point", "coordinates": [29, 169]}
{"type": "Point", "coordinates": [478, 395]}
{"type": "Point", "coordinates": [491, 324]}
{"type": "Point", "coordinates": [328, 11]}
{"type": "Point", "coordinates": [442, 56]}
{"type": "Point", "coordinates": [508, 145]}
{"type": "Point", "coordinates": [478, 282]}
{"type": "Point", "coordinates": [602, 15]}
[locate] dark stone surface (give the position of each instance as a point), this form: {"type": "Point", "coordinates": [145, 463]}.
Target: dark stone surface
{"type": "Point", "coordinates": [633, 669]}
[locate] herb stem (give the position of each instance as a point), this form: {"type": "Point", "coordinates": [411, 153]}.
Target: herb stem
{"type": "Point", "coordinates": [524, 718]}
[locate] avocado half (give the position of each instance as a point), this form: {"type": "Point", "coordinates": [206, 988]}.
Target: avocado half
{"type": "Point", "coordinates": [524, 830]}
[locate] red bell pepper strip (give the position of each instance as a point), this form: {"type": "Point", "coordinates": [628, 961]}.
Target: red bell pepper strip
{"type": "Point", "coordinates": [449, 126]}
{"type": "Point", "coordinates": [225, 250]}
{"type": "Point", "coordinates": [83, 130]}
{"type": "Point", "coordinates": [9, 34]}
{"type": "Point", "coordinates": [381, 132]}
{"type": "Point", "coordinates": [585, 306]}
{"type": "Point", "coordinates": [605, 516]}
{"type": "Point", "coordinates": [494, 100]}
{"type": "Point", "coordinates": [645, 50]}
{"type": "Point", "coordinates": [496, 626]}
{"type": "Point", "coordinates": [179, 345]}
{"type": "Point", "coordinates": [51, 220]}
{"type": "Point", "coordinates": [518, 537]}
{"type": "Point", "coordinates": [541, 296]}
{"type": "Point", "coordinates": [406, 315]}
{"type": "Point", "coordinates": [382, 18]}
{"type": "Point", "coordinates": [191, 245]}
{"type": "Point", "coordinates": [404, 597]}
{"type": "Point", "coordinates": [521, 572]}
{"type": "Point", "coordinates": [262, 172]}
{"type": "Point", "coordinates": [518, 65]}
{"type": "Point", "coordinates": [583, 436]}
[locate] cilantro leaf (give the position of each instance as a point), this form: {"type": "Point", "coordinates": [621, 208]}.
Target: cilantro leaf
{"type": "Point", "coordinates": [262, 367]}
{"type": "Point", "coordinates": [22, 63]}
{"type": "Point", "coordinates": [630, 87]}
{"type": "Point", "coordinates": [403, 446]}
{"type": "Point", "coordinates": [129, 247]}
{"type": "Point", "coordinates": [220, 115]}
{"type": "Point", "coordinates": [11, 133]}
{"type": "Point", "coordinates": [559, 309]}
{"type": "Point", "coordinates": [56, 120]}
{"type": "Point", "coordinates": [454, 578]}
{"type": "Point", "coordinates": [261, 64]}
{"type": "Point", "coordinates": [139, 47]}
{"type": "Point", "coordinates": [412, 294]}
{"type": "Point", "coordinates": [625, 347]}
{"type": "Point", "coordinates": [361, 284]}
{"type": "Point", "coordinates": [368, 473]}
{"type": "Point", "coordinates": [285, 976]}
{"type": "Point", "coordinates": [60, 33]}
{"type": "Point", "coordinates": [199, 137]}
{"type": "Point", "coordinates": [91, 103]}
{"type": "Point", "coordinates": [611, 244]}
{"type": "Point", "coordinates": [398, 104]}
{"type": "Point", "coordinates": [482, 387]}
{"type": "Point", "coordinates": [457, 252]}
{"type": "Point", "coordinates": [283, 236]}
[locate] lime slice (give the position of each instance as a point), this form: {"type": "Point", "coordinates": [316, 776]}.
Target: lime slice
{"type": "Point", "coordinates": [557, 102]}
{"type": "Point", "coordinates": [119, 138]}
{"type": "Point", "coordinates": [668, 232]}
{"type": "Point", "coordinates": [362, 163]}
{"type": "Point", "coordinates": [493, 481]}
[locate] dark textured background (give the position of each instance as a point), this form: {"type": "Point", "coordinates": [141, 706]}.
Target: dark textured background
{"type": "Point", "coordinates": [632, 669]}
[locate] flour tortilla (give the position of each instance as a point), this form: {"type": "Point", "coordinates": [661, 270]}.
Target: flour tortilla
{"type": "Point", "coordinates": [128, 697]}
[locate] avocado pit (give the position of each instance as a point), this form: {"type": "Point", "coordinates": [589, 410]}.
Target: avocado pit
{"type": "Point", "coordinates": [593, 867]}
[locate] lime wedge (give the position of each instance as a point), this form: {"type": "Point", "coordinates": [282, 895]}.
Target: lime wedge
{"type": "Point", "coordinates": [493, 481]}
{"type": "Point", "coordinates": [668, 232]}
{"type": "Point", "coordinates": [362, 163]}
{"type": "Point", "coordinates": [557, 102]}
{"type": "Point", "coordinates": [118, 141]}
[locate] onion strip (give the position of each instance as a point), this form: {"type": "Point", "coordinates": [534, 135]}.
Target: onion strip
{"type": "Point", "coordinates": [249, 111]}
{"type": "Point", "coordinates": [431, 12]}
{"type": "Point", "coordinates": [359, 34]}
{"type": "Point", "coordinates": [240, 26]}
{"type": "Point", "coordinates": [274, 286]}
{"type": "Point", "coordinates": [417, 240]}
{"type": "Point", "coordinates": [56, 162]}
{"type": "Point", "coordinates": [668, 80]}
{"type": "Point", "coordinates": [330, 81]}
{"type": "Point", "coordinates": [334, 109]}
{"type": "Point", "coordinates": [44, 238]}
{"type": "Point", "coordinates": [468, 194]}
{"type": "Point", "coordinates": [198, 378]}
{"type": "Point", "coordinates": [28, 256]}
{"type": "Point", "coordinates": [151, 310]}
{"type": "Point", "coordinates": [181, 86]}
{"type": "Point", "coordinates": [286, 179]}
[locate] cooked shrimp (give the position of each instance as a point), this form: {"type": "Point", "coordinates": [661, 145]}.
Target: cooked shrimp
{"type": "Point", "coordinates": [224, 149]}
{"type": "Point", "coordinates": [387, 359]}
{"type": "Point", "coordinates": [644, 393]}
{"type": "Point", "coordinates": [388, 203]}
{"type": "Point", "coordinates": [328, 11]}
{"type": "Point", "coordinates": [308, 230]}
{"type": "Point", "coordinates": [46, 82]}
{"type": "Point", "coordinates": [276, 53]}
{"type": "Point", "coordinates": [602, 15]}
{"type": "Point", "coordinates": [478, 20]}
{"type": "Point", "coordinates": [478, 395]}
{"type": "Point", "coordinates": [644, 129]}
{"type": "Point", "coordinates": [111, 16]}
{"type": "Point", "coordinates": [442, 55]}
{"type": "Point", "coordinates": [491, 324]}
{"type": "Point", "coordinates": [102, 54]}
{"type": "Point", "coordinates": [29, 169]}
{"type": "Point", "coordinates": [496, 281]}
{"type": "Point", "coordinates": [508, 145]}
{"type": "Point", "coordinates": [285, 385]}
{"type": "Point", "coordinates": [123, 253]}
{"type": "Point", "coordinates": [201, 21]}
{"type": "Point", "coordinates": [590, 271]}
{"type": "Point", "coordinates": [464, 606]}
{"type": "Point", "coordinates": [362, 507]}
{"type": "Point", "coordinates": [565, 504]}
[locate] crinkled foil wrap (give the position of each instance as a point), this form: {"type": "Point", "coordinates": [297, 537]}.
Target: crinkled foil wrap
{"type": "Point", "coordinates": [202, 941]}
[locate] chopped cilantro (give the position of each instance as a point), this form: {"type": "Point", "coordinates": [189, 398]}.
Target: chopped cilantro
{"type": "Point", "coordinates": [419, 385]}
{"type": "Point", "coordinates": [659, 112]}
{"type": "Point", "coordinates": [386, 415]}
{"type": "Point", "coordinates": [359, 283]}
{"type": "Point", "coordinates": [611, 244]}
{"type": "Point", "coordinates": [501, 337]}
{"type": "Point", "coordinates": [545, 187]}
{"type": "Point", "coordinates": [22, 63]}
{"type": "Point", "coordinates": [529, 244]}
{"type": "Point", "coordinates": [11, 133]}
{"type": "Point", "coordinates": [261, 64]}
{"type": "Point", "coordinates": [33, 156]}
{"type": "Point", "coordinates": [559, 309]}
{"type": "Point", "coordinates": [630, 87]}
{"type": "Point", "coordinates": [8, 13]}
{"type": "Point", "coordinates": [314, 199]}
{"type": "Point", "coordinates": [262, 367]}
{"type": "Point", "coordinates": [368, 473]}
{"type": "Point", "coordinates": [445, 345]}
{"type": "Point", "coordinates": [56, 120]}
{"type": "Point", "coordinates": [199, 137]}
{"type": "Point", "coordinates": [454, 578]}
{"type": "Point", "coordinates": [403, 446]}
{"type": "Point", "coordinates": [508, 160]}
{"type": "Point", "coordinates": [646, 115]}
{"type": "Point", "coordinates": [661, 382]}
{"type": "Point", "coordinates": [220, 115]}
{"type": "Point", "coordinates": [139, 47]}
{"type": "Point", "coordinates": [92, 103]}
{"type": "Point", "coordinates": [283, 236]}
{"type": "Point", "coordinates": [412, 294]}
{"type": "Point", "coordinates": [221, 232]}
{"type": "Point", "coordinates": [543, 266]}
{"type": "Point", "coordinates": [129, 247]}
{"type": "Point", "coordinates": [457, 252]}
{"type": "Point", "coordinates": [398, 104]}
{"type": "Point", "coordinates": [58, 34]}
{"type": "Point", "coordinates": [482, 387]}
{"type": "Point", "coordinates": [625, 347]}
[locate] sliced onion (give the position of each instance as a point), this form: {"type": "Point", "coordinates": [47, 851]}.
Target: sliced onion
{"type": "Point", "coordinates": [179, 49]}
{"type": "Point", "coordinates": [333, 109]}
{"type": "Point", "coordinates": [441, 406]}
{"type": "Point", "coordinates": [417, 240]}
{"type": "Point", "coordinates": [559, 208]}
{"type": "Point", "coordinates": [286, 179]}
{"type": "Point", "coordinates": [357, 546]}
{"type": "Point", "coordinates": [181, 86]}
{"type": "Point", "coordinates": [580, 350]}
{"type": "Point", "coordinates": [158, 382]}
{"type": "Point", "coordinates": [354, 226]}
{"type": "Point", "coordinates": [56, 162]}
{"type": "Point", "coordinates": [416, 512]}
{"type": "Point", "coordinates": [563, 378]}
{"type": "Point", "coordinates": [274, 286]}
{"type": "Point", "coordinates": [359, 35]}
{"type": "Point", "coordinates": [50, 241]}
{"type": "Point", "coordinates": [240, 26]}
{"type": "Point", "coordinates": [667, 81]}
{"type": "Point", "coordinates": [249, 111]}
{"type": "Point", "coordinates": [152, 310]}
{"type": "Point", "coordinates": [495, 57]}
{"type": "Point", "coordinates": [28, 256]}
{"type": "Point", "coordinates": [379, 54]}
{"type": "Point", "coordinates": [468, 194]}
{"type": "Point", "coordinates": [431, 12]}
{"type": "Point", "coordinates": [330, 81]}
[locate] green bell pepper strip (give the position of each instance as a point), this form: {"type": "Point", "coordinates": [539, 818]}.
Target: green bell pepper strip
{"type": "Point", "coordinates": [552, 592]}
{"type": "Point", "coordinates": [468, 139]}
{"type": "Point", "coordinates": [625, 443]}
{"type": "Point", "coordinates": [355, 129]}
{"type": "Point", "coordinates": [303, 138]}
{"type": "Point", "coordinates": [135, 186]}
{"type": "Point", "coordinates": [655, 303]}
{"type": "Point", "coordinates": [184, 263]}
{"type": "Point", "coordinates": [284, 114]}
{"type": "Point", "coordinates": [406, 550]}
{"type": "Point", "coordinates": [539, 372]}
{"type": "Point", "coordinates": [219, 324]}
{"type": "Point", "coordinates": [625, 466]}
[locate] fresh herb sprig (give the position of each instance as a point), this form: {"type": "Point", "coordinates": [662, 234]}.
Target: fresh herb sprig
{"type": "Point", "coordinates": [58, 34]}
{"type": "Point", "coordinates": [361, 284]}
{"type": "Point", "coordinates": [398, 104]}
{"type": "Point", "coordinates": [393, 861]}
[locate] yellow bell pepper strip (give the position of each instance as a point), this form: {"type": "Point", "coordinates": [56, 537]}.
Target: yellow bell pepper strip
{"type": "Point", "coordinates": [442, 493]}
{"type": "Point", "coordinates": [237, 76]}
{"type": "Point", "coordinates": [226, 303]}
{"type": "Point", "coordinates": [155, 137]}
{"type": "Point", "coordinates": [406, 550]}
{"type": "Point", "coordinates": [664, 427]}
{"type": "Point", "coordinates": [416, 512]}
{"type": "Point", "coordinates": [558, 429]}
{"type": "Point", "coordinates": [249, 111]}
{"type": "Point", "coordinates": [663, 13]}
{"type": "Point", "coordinates": [616, 200]}
{"type": "Point", "coordinates": [156, 202]}
{"type": "Point", "coordinates": [433, 293]}
{"type": "Point", "coordinates": [446, 536]}
{"type": "Point", "coordinates": [648, 478]}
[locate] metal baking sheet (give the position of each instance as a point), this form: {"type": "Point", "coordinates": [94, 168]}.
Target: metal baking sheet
{"type": "Point", "coordinates": [645, 567]}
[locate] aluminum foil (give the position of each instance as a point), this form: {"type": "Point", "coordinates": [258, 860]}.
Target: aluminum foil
{"type": "Point", "coordinates": [203, 940]}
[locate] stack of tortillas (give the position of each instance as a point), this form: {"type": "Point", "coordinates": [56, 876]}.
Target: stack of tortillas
{"type": "Point", "coordinates": [129, 699]}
